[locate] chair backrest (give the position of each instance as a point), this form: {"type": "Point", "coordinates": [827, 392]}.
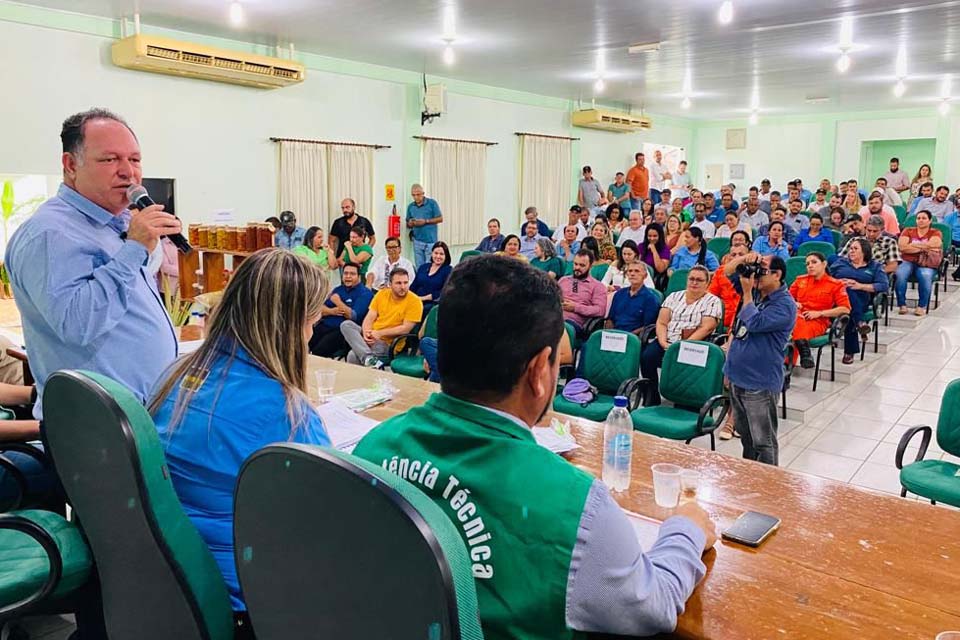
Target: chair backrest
{"type": "Point", "coordinates": [568, 268]}
{"type": "Point", "coordinates": [606, 370]}
{"type": "Point", "coordinates": [597, 271]}
{"type": "Point", "coordinates": [430, 331]}
{"type": "Point", "coordinates": [796, 266]}
{"type": "Point", "coordinates": [948, 424]}
{"type": "Point", "coordinates": [946, 232]}
{"type": "Point", "coordinates": [720, 246]}
{"type": "Point", "coordinates": [677, 282]}
{"type": "Point", "coordinates": [901, 212]}
{"type": "Point", "coordinates": [911, 221]}
{"type": "Point", "coordinates": [690, 385]}
{"type": "Point", "coordinates": [157, 575]}
{"type": "Point", "coordinates": [658, 295]}
{"type": "Point", "coordinates": [469, 254]}
{"type": "Point", "coordinates": [826, 248]}
{"type": "Point", "coordinates": [331, 546]}
{"type": "Point", "coordinates": [837, 238]}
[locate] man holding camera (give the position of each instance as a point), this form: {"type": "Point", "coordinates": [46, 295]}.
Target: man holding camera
{"type": "Point", "coordinates": [754, 363]}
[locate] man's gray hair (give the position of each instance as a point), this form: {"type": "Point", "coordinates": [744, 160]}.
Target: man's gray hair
{"type": "Point", "coordinates": [875, 221]}
{"type": "Point", "coordinates": [72, 133]}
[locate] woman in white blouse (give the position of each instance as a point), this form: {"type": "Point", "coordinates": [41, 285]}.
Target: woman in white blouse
{"type": "Point", "coordinates": [616, 275]}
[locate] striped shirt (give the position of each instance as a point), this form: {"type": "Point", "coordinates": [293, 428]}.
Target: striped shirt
{"type": "Point", "coordinates": [690, 316]}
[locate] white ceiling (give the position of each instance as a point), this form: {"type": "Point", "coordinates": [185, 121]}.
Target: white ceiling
{"type": "Point", "coordinates": [549, 46]}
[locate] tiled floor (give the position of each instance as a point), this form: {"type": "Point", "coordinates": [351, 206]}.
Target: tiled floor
{"type": "Point", "coordinates": [851, 431]}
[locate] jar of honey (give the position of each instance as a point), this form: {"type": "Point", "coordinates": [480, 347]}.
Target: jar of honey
{"type": "Point", "coordinates": [251, 243]}
{"type": "Point", "coordinates": [231, 237]}
{"type": "Point", "coordinates": [221, 237]}
{"type": "Point", "coordinates": [194, 234]}
{"type": "Point", "coordinates": [265, 236]}
{"type": "Point", "coordinates": [203, 237]}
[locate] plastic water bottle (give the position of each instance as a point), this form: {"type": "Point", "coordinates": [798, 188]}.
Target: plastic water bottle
{"type": "Point", "coordinates": [617, 446]}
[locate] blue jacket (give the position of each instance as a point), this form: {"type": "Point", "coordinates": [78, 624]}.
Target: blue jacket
{"type": "Point", "coordinates": [237, 410]}
{"type": "Point", "coordinates": [358, 298]}
{"type": "Point", "coordinates": [491, 244]}
{"type": "Point", "coordinates": [684, 259]}
{"type": "Point", "coordinates": [760, 335]}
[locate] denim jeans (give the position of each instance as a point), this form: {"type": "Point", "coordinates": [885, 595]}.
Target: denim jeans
{"type": "Point", "coordinates": [655, 196]}
{"type": "Point", "coordinates": [421, 253]}
{"type": "Point", "coordinates": [925, 276]}
{"type": "Point", "coordinates": [428, 348]}
{"type": "Point", "coordinates": [755, 419]}
{"type": "Point", "coordinates": [650, 360]}
{"type": "Point", "coordinates": [39, 479]}
{"type": "Point", "coordinates": [859, 305]}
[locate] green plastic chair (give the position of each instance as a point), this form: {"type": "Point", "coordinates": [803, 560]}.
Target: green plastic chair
{"type": "Point", "coordinates": [392, 547]}
{"type": "Point", "coordinates": [936, 480]}
{"type": "Point", "coordinates": [796, 266]}
{"type": "Point", "coordinates": [157, 575]}
{"type": "Point", "coordinates": [568, 268]}
{"type": "Point", "coordinates": [826, 248]}
{"type": "Point", "coordinates": [831, 338]}
{"type": "Point", "coordinates": [677, 282]}
{"type": "Point", "coordinates": [837, 238]}
{"type": "Point", "coordinates": [611, 372]}
{"type": "Point", "coordinates": [720, 246]}
{"type": "Point", "coordinates": [407, 361]}
{"type": "Point", "coordinates": [911, 221]}
{"type": "Point", "coordinates": [696, 392]}
{"type": "Point", "coordinates": [470, 254]}
{"type": "Point", "coordinates": [597, 271]}
{"type": "Point", "coordinates": [901, 212]}
{"type": "Point", "coordinates": [947, 234]}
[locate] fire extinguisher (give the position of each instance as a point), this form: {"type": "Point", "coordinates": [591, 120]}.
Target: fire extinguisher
{"type": "Point", "coordinates": [393, 224]}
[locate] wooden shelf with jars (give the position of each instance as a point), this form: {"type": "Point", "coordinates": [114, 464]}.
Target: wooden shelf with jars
{"type": "Point", "coordinates": [204, 269]}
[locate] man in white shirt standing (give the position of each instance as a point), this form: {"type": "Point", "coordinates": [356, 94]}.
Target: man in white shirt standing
{"type": "Point", "coordinates": [681, 181]}
{"type": "Point", "coordinates": [896, 179]}
{"type": "Point", "coordinates": [658, 174]}
{"type": "Point", "coordinates": [378, 276]}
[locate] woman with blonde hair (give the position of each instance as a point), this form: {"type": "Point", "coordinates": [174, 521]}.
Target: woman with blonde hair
{"type": "Point", "coordinates": [608, 250]}
{"type": "Point", "coordinates": [244, 388]}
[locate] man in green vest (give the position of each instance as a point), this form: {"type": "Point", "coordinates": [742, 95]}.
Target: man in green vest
{"type": "Point", "coordinates": [551, 552]}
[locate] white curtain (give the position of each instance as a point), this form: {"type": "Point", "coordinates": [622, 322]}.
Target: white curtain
{"type": "Point", "coordinates": [454, 174]}
{"type": "Point", "coordinates": [303, 182]}
{"type": "Point", "coordinates": [351, 176]}
{"type": "Point", "coordinates": [545, 177]}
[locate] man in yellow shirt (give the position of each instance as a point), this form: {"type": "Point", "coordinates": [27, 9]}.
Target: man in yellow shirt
{"type": "Point", "coordinates": [393, 312]}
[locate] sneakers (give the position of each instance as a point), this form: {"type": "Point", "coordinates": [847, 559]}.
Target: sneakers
{"type": "Point", "coordinates": [373, 362]}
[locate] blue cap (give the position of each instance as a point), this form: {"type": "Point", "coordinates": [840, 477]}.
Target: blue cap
{"type": "Point", "coordinates": [620, 401]}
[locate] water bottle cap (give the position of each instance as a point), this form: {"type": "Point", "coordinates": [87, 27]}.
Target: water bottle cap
{"type": "Point", "coordinates": [620, 401]}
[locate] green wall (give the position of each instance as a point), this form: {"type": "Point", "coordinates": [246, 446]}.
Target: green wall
{"type": "Point", "coordinates": [875, 157]}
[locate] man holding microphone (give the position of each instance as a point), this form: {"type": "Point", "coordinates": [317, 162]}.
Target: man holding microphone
{"type": "Point", "coordinates": [78, 266]}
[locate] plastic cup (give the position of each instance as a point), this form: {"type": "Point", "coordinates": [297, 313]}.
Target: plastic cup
{"type": "Point", "coordinates": [666, 484]}
{"type": "Point", "coordinates": [326, 378]}
{"type": "Point", "coordinates": [948, 635]}
{"type": "Point", "coordinates": [689, 483]}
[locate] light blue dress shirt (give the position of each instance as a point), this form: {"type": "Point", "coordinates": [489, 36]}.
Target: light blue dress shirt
{"type": "Point", "coordinates": [527, 245]}
{"type": "Point", "coordinates": [290, 241]}
{"type": "Point", "coordinates": [85, 298]}
{"type": "Point", "coordinates": [428, 210]}
{"type": "Point", "coordinates": [762, 246]}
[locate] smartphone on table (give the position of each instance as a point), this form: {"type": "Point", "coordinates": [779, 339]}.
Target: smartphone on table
{"type": "Point", "coordinates": [751, 528]}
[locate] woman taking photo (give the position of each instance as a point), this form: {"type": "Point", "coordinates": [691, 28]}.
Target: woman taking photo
{"type": "Point", "coordinates": [922, 251]}
{"type": "Point", "coordinates": [431, 276]}
{"type": "Point", "coordinates": [546, 259]}
{"type": "Point", "coordinates": [244, 388]}
{"type": "Point", "coordinates": [863, 277]}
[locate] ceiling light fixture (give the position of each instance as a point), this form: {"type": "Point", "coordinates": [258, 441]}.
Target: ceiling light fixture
{"type": "Point", "coordinates": [944, 107]}
{"type": "Point", "coordinates": [899, 89]}
{"type": "Point", "coordinates": [686, 102]}
{"type": "Point", "coordinates": [449, 23]}
{"type": "Point", "coordinates": [754, 117]}
{"type": "Point", "coordinates": [687, 88]}
{"type": "Point", "coordinates": [846, 43]}
{"type": "Point", "coordinates": [843, 62]}
{"type": "Point", "coordinates": [901, 71]}
{"type": "Point", "coordinates": [449, 56]}
{"type": "Point", "coordinates": [725, 13]}
{"type": "Point", "coordinates": [599, 86]}
{"type": "Point", "coordinates": [236, 14]}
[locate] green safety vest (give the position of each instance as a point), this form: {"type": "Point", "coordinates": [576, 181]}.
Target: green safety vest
{"type": "Point", "coordinates": [516, 504]}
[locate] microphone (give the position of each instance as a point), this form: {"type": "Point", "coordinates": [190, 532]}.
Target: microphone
{"type": "Point", "coordinates": [139, 198]}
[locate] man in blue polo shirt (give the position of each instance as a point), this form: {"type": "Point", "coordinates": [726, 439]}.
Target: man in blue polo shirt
{"type": "Point", "coordinates": [423, 216]}
{"type": "Point", "coordinates": [633, 307]}
{"type": "Point", "coordinates": [349, 301]}
{"type": "Point", "coordinates": [715, 212]}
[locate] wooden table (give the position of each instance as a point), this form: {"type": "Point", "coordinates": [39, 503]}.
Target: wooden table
{"type": "Point", "coordinates": [846, 563]}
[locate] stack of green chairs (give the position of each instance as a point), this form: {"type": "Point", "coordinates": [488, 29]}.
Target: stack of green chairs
{"type": "Point", "coordinates": [407, 361]}
{"type": "Point", "coordinates": [395, 564]}
{"type": "Point", "coordinates": [157, 576]}
{"type": "Point", "coordinates": [611, 372]}
{"type": "Point", "coordinates": [695, 391]}
{"type": "Point", "coordinates": [936, 480]}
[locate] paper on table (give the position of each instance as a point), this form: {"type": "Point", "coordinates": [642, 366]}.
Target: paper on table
{"type": "Point", "coordinates": [647, 529]}
{"type": "Point", "coordinates": [558, 440]}
{"type": "Point", "coordinates": [344, 427]}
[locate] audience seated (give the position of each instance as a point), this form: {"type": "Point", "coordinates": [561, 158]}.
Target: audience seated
{"type": "Point", "coordinates": [795, 217]}
{"type": "Point", "coordinates": [692, 314]}
{"type": "Point", "coordinates": [357, 251]}
{"type": "Point", "coordinates": [607, 250]}
{"type": "Point", "coordinates": [491, 244]}
{"type": "Point", "coordinates": [926, 193]}
{"type": "Point", "coordinates": [244, 388]}
{"type": "Point", "coordinates": [584, 297]}
{"type": "Point", "coordinates": [820, 298]}
{"type": "Point", "coordinates": [819, 202]}
{"type": "Point", "coordinates": [853, 227]}
{"type": "Point", "coordinates": [673, 232]}
{"type": "Point", "coordinates": [528, 241]}
{"type": "Point", "coordinates": [711, 208]}
{"type": "Point", "coordinates": [431, 276]}
{"type": "Point", "coordinates": [616, 275]}
{"type": "Point", "coordinates": [694, 251]}
{"type": "Point", "coordinates": [39, 480]}
{"type": "Point", "coordinates": [546, 259]}
{"type": "Point", "coordinates": [615, 219]}
{"type": "Point", "coordinates": [633, 306]}
{"type": "Point", "coordinates": [511, 248]}
{"type": "Point", "coordinates": [772, 243]}
{"type": "Point", "coordinates": [863, 277]}
{"type": "Point", "coordinates": [731, 223]}
{"type": "Point", "coordinates": [568, 245]}
{"type": "Point", "coordinates": [835, 217]}
{"type": "Point", "coordinates": [937, 205]}
{"type": "Point", "coordinates": [349, 301]}
{"type": "Point", "coordinates": [314, 249]}
{"type": "Point", "coordinates": [953, 221]}
{"type": "Point", "coordinates": [634, 230]}
{"type": "Point", "coordinates": [886, 249]}
{"type": "Point", "coordinates": [479, 427]}
{"type": "Point", "coordinates": [815, 232]}
{"type": "Point", "coordinates": [378, 276]}
{"type": "Point", "coordinates": [707, 228]}
{"type": "Point", "coordinates": [922, 251]}
{"type": "Point", "coordinates": [393, 312]}
{"type": "Point", "coordinates": [753, 214]}
{"type": "Point", "coordinates": [289, 235]}
{"type": "Point", "coordinates": [851, 202]}
{"type": "Point", "coordinates": [655, 253]}
{"type": "Point", "coordinates": [890, 196]}
{"type": "Point", "coordinates": [875, 207]}
{"type": "Point", "coordinates": [573, 218]}
{"type": "Point", "coordinates": [789, 234]}
{"type": "Point", "coordinates": [531, 215]}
